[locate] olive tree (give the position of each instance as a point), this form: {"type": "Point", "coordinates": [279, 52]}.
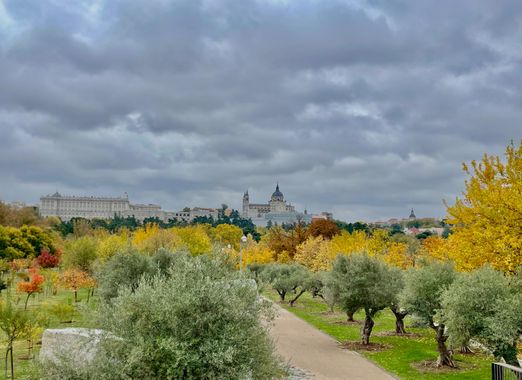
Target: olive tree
{"type": "Point", "coordinates": [364, 282]}
{"type": "Point", "coordinates": [397, 283]}
{"type": "Point", "coordinates": [124, 269]}
{"type": "Point", "coordinates": [205, 322]}
{"type": "Point", "coordinates": [286, 278]}
{"type": "Point", "coordinates": [422, 296]}
{"type": "Point", "coordinates": [482, 306]}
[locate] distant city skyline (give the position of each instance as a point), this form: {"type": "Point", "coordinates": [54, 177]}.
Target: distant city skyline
{"type": "Point", "coordinates": [46, 210]}
{"type": "Point", "coordinates": [365, 109]}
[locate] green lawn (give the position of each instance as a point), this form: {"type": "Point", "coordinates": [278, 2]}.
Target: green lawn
{"type": "Point", "coordinates": [39, 303]}
{"type": "Point", "coordinates": [403, 351]}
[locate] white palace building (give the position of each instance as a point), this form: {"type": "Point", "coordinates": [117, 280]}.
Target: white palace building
{"type": "Point", "coordinates": [89, 207]}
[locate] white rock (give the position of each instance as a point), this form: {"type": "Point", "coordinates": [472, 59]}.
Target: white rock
{"type": "Point", "coordinates": [76, 345]}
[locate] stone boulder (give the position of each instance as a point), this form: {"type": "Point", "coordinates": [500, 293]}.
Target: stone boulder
{"type": "Point", "coordinates": [78, 346]}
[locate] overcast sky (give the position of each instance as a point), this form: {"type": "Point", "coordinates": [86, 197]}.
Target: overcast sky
{"type": "Point", "coordinates": [362, 108]}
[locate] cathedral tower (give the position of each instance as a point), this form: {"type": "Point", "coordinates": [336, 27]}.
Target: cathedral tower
{"type": "Point", "coordinates": [246, 202]}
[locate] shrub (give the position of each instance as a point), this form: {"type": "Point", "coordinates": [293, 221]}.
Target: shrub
{"type": "Point", "coordinates": [204, 321]}
{"type": "Point", "coordinates": [46, 260]}
{"type": "Point", "coordinates": [125, 269]}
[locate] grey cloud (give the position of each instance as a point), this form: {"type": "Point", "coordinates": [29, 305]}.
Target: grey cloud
{"type": "Point", "coordinates": [364, 110]}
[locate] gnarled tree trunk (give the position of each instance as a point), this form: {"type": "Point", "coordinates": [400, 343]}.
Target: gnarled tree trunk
{"type": "Point", "coordinates": [366, 330]}
{"type": "Point", "coordinates": [349, 316]}
{"type": "Point", "coordinates": [399, 319]}
{"type": "Point", "coordinates": [445, 356]}
{"type": "Point", "coordinates": [293, 300]}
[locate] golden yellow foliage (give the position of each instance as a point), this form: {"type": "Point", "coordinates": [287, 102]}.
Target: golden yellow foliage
{"type": "Point", "coordinates": [194, 238]}
{"type": "Point", "coordinates": [315, 253]}
{"type": "Point", "coordinates": [487, 220]}
{"type": "Point", "coordinates": [151, 238]}
{"type": "Point", "coordinates": [112, 244]}
{"type": "Point", "coordinates": [254, 252]}
{"type": "Point", "coordinates": [226, 234]}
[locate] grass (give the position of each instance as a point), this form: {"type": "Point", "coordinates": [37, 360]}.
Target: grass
{"type": "Point", "coordinates": [41, 303]}
{"type": "Point", "coordinates": [405, 353]}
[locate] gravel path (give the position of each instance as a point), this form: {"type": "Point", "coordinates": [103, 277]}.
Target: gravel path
{"type": "Point", "coordinates": [312, 354]}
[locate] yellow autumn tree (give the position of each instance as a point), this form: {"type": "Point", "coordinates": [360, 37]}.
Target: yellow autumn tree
{"type": "Point", "coordinates": [226, 234]}
{"type": "Point", "coordinates": [254, 252]}
{"type": "Point", "coordinates": [314, 253]}
{"type": "Point", "coordinates": [487, 219]}
{"type": "Point", "coordinates": [194, 238]}
{"type": "Point", "coordinates": [436, 248]}
{"type": "Point", "coordinates": [151, 238]}
{"type": "Point", "coordinates": [108, 246]}
{"type": "Point", "coordinates": [348, 243]}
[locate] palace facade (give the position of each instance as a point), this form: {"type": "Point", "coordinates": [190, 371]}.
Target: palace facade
{"type": "Point", "coordinates": [67, 207]}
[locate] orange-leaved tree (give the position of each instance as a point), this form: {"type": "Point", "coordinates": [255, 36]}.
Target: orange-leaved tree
{"type": "Point", "coordinates": [75, 279]}
{"type": "Point", "coordinates": [32, 286]}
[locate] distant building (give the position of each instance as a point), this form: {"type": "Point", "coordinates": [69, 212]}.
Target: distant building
{"type": "Point", "coordinates": [412, 215]}
{"type": "Point", "coordinates": [68, 207]}
{"type": "Point", "coordinates": [276, 212]}
{"type": "Point", "coordinates": [322, 216]}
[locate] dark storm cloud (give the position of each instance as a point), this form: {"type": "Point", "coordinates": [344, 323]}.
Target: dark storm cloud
{"type": "Point", "coordinates": [364, 108]}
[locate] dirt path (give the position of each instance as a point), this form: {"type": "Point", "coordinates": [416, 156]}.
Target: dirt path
{"type": "Point", "coordinates": [314, 352]}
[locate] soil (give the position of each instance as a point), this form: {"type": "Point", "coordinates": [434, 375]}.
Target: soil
{"type": "Point", "coordinates": [393, 333]}
{"type": "Point", "coordinates": [430, 366]}
{"type": "Point", "coordinates": [358, 346]}
{"type": "Point", "coordinates": [349, 323]}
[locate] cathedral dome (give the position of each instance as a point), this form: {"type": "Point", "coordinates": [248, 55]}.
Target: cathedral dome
{"type": "Point", "coordinates": [277, 195]}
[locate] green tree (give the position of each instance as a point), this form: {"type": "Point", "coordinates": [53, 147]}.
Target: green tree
{"type": "Point", "coordinates": [286, 278]}
{"type": "Point", "coordinates": [202, 322]}
{"type": "Point", "coordinates": [366, 283]}
{"type": "Point", "coordinates": [15, 324]}
{"type": "Point", "coordinates": [422, 296]}
{"type": "Point", "coordinates": [80, 254]}
{"type": "Point", "coordinates": [478, 306]}
{"type": "Point", "coordinates": [124, 270]}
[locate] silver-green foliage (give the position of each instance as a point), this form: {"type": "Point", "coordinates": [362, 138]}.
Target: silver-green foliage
{"type": "Point", "coordinates": [201, 322]}
{"type": "Point", "coordinates": [124, 269]}
{"type": "Point", "coordinates": [422, 296]}
{"type": "Point", "coordinates": [423, 288]}
{"type": "Point", "coordinates": [367, 283]}
{"type": "Point", "coordinates": [285, 278]}
{"type": "Point", "coordinates": [484, 306]}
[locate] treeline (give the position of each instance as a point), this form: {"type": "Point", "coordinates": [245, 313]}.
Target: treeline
{"type": "Point", "coordinates": [79, 226]}
{"type": "Point", "coordinates": [26, 241]}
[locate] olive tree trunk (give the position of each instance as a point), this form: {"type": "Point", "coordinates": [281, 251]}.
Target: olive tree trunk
{"type": "Point", "coordinates": [293, 300]}
{"type": "Point", "coordinates": [445, 356]}
{"type": "Point", "coordinates": [399, 320]}
{"type": "Point", "coordinates": [367, 328]}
